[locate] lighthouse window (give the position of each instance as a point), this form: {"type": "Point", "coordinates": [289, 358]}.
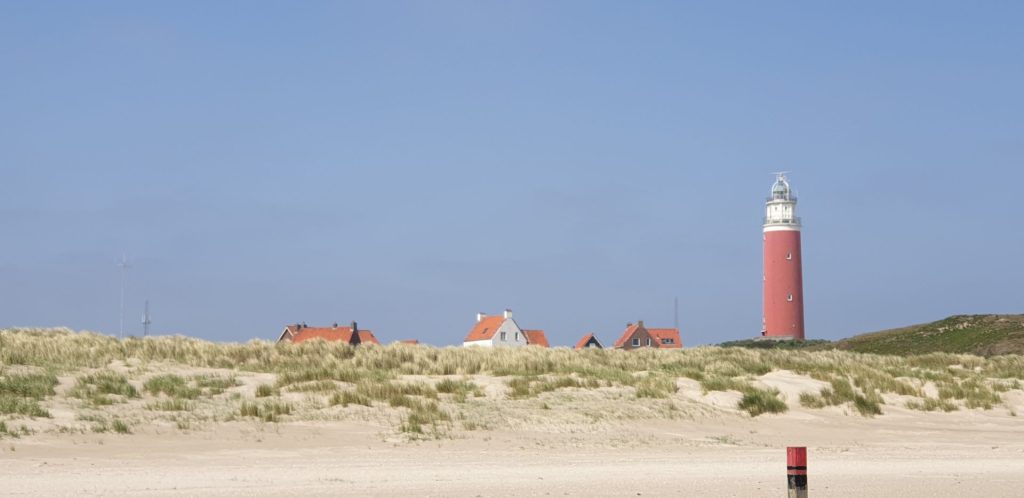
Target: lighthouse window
{"type": "Point", "coordinates": [789, 255]}
{"type": "Point", "coordinates": [789, 297]}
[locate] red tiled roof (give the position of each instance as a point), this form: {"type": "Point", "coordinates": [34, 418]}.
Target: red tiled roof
{"type": "Point", "coordinates": [627, 334]}
{"type": "Point", "coordinates": [536, 338]}
{"type": "Point", "coordinates": [297, 334]}
{"type": "Point", "coordinates": [409, 341]}
{"type": "Point", "coordinates": [583, 342]}
{"type": "Point", "coordinates": [673, 334]}
{"type": "Point", "coordinates": [485, 329]}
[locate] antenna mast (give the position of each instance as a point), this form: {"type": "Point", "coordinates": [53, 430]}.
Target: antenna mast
{"type": "Point", "coordinates": [124, 273]}
{"type": "Point", "coordinates": [145, 320]}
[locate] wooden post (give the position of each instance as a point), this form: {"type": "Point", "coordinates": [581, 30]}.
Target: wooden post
{"type": "Point", "coordinates": [796, 471]}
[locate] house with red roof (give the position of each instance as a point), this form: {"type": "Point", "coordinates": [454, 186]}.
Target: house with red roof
{"type": "Point", "coordinates": [502, 330]}
{"type": "Point", "coordinates": [638, 336]}
{"type": "Point", "coordinates": [536, 338]}
{"type": "Point", "coordinates": [589, 341]}
{"type": "Point", "coordinates": [300, 332]}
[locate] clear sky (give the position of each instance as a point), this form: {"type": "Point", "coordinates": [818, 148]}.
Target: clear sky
{"type": "Point", "coordinates": [407, 165]}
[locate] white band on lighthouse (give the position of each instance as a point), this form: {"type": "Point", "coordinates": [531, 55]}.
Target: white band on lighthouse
{"type": "Point", "coordinates": [782, 228]}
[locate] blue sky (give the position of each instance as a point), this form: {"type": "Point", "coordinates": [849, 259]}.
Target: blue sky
{"type": "Point", "coordinates": [409, 164]}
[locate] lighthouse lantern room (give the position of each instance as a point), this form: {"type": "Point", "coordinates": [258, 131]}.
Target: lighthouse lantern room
{"type": "Point", "coordinates": [783, 275]}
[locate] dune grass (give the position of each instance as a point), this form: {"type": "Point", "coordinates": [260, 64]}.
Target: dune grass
{"type": "Point", "coordinates": [341, 376]}
{"type": "Point", "coordinates": [20, 394]}
{"type": "Point", "coordinates": [103, 387]}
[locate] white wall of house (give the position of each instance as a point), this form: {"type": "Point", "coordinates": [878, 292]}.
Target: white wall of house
{"type": "Point", "coordinates": [508, 335]}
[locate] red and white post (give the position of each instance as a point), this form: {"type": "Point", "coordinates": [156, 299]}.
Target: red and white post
{"type": "Point", "coordinates": [796, 471]}
{"type": "Point", "coordinates": [783, 267]}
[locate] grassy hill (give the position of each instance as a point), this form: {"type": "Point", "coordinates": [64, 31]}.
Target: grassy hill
{"type": "Point", "coordinates": [983, 335]}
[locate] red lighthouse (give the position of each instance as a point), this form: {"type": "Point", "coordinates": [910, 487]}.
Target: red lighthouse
{"type": "Point", "coordinates": [783, 276]}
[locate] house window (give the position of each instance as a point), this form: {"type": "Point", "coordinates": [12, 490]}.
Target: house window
{"type": "Point", "coordinates": [668, 341]}
{"type": "Point", "coordinates": [636, 342]}
{"type": "Point", "coordinates": [789, 255]}
{"type": "Point", "coordinates": [517, 336]}
{"type": "Point", "coordinates": [789, 297]}
{"type": "Point", "coordinates": [504, 336]}
{"type": "Point", "coordinates": [648, 341]}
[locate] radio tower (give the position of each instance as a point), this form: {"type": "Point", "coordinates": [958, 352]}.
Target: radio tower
{"type": "Point", "coordinates": [783, 273]}
{"type": "Point", "coordinates": [145, 320]}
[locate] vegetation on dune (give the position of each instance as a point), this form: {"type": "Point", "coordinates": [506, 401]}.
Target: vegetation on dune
{"type": "Point", "coordinates": [982, 335]}
{"type": "Point", "coordinates": [326, 375]}
{"type": "Point", "coordinates": [807, 345]}
{"type": "Point", "coordinates": [103, 388]}
{"type": "Point", "coordinates": [459, 389]}
{"type": "Point", "coordinates": [172, 385]}
{"type": "Point", "coordinates": [20, 394]}
{"type": "Point", "coordinates": [760, 401]}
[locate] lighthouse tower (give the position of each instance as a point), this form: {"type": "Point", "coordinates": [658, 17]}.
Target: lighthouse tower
{"type": "Point", "coordinates": [783, 276]}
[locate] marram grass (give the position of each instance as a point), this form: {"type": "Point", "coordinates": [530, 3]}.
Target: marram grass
{"type": "Point", "coordinates": [320, 380]}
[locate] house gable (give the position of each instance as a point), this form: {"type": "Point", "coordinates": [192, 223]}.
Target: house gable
{"type": "Point", "coordinates": [635, 336]}
{"type": "Point", "coordinates": [495, 330]}
{"type": "Point", "coordinates": [589, 341]}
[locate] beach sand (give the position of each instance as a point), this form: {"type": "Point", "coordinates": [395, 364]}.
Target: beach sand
{"type": "Point", "coordinates": [713, 451]}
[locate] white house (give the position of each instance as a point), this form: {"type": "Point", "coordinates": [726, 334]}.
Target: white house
{"type": "Point", "coordinates": [496, 330]}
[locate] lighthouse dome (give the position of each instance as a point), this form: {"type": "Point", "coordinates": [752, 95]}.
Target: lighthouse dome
{"type": "Point", "coordinates": [780, 189]}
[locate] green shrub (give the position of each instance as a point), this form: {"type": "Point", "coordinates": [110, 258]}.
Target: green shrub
{"type": "Point", "coordinates": [20, 394]}
{"type": "Point", "coordinates": [268, 411]}
{"type": "Point", "coordinates": [172, 385]}
{"type": "Point", "coordinates": [95, 387]}
{"type": "Point", "coordinates": [35, 386]}
{"type": "Point", "coordinates": [531, 386]}
{"type": "Point", "coordinates": [867, 407]}
{"type": "Point", "coordinates": [931, 404]}
{"type": "Point", "coordinates": [348, 397]}
{"type": "Point", "coordinates": [759, 401]}
{"type": "Point", "coordinates": [459, 389]}
{"type": "Point", "coordinates": [719, 383]}
{"type": "Point", "coordinates": [812, 400]}
{"type": "Point", "coordinates": [213, 385]}
{"type": "Point", "coordinates": [654, 386]}
{"type": "Point", "coordinates": [264, 390]}
{"type": "Point", "coordinates": [317, 386]}
{"type": "Point", "coordinates": [21, 406]}
{"type": "Point", "coordinates": [120, 427]}
{"type": "Point", "coordinates": [171, 405]}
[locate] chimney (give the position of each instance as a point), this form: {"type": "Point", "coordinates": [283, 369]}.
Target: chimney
{"type": "Point", "coordinates": [629, 324]}
{"type": "Point", "coordinates": [355, 340]}
{"type": "Point", "coordinates": [508, 313]}
{"type": "Point", "coordinates": [480, 316]}
{"type": "Point", "coordinates": [335, 325]}
{"type": "Point", "coordinates": [640, 323]}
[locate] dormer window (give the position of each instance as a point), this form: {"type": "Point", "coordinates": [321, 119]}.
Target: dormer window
{"type": "Point", "coordinates": [668, 341]}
